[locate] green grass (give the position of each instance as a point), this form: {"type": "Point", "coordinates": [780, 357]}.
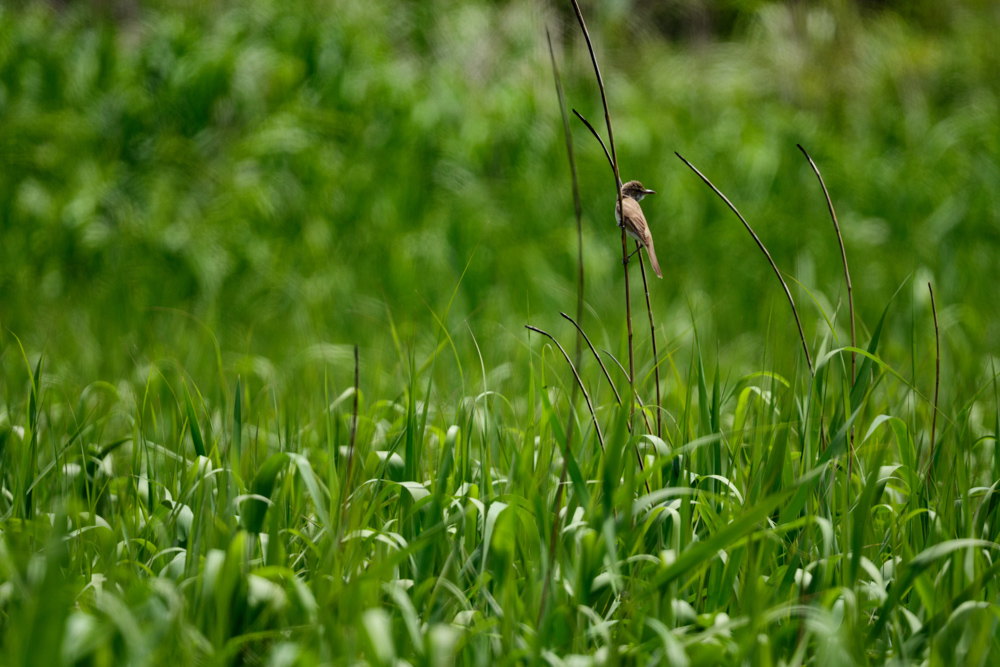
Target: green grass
{"type": "Point", "coordinates": [295, 170]}
{"type": "Point", "coordinates": [202, 211]}
{"type": "Point", "coordinates": [122, 543]}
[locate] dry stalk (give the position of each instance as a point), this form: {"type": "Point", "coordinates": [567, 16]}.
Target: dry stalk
{"type": "Point", "coordinates": [791, 301]}
{"type": "Point", "coordinates": [850, 302]}
{"type": "Point", "coordinates": [843, 256]}
{"type": "Point", "coordinates": [649, 309]}
{"type": "Point", "coordinates": [642, 406]}
{"type": "Point", "coordinates": [618, 188]}
{"type": "Point", "coordinates": [570, 421]}
{"type": "Point", "coordinates": [652, 337]}
{"type": "Point", "coordinates": [617, 395]}
{"type": "Point", "coordinates": [590, 406]}
{"type": "Point", "coordinates": [577, 207]}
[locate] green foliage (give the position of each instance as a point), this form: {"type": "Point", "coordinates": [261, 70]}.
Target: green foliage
{"type": "Point", "coordinates": [207, 209]}
{"type": "Point", "coordinates": [282, 171]}
{"type": "Point", "coordinates": [841, 551]}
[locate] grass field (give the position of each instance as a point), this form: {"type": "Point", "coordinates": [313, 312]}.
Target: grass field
{"type": "Point", "coordinates": [203, 212]}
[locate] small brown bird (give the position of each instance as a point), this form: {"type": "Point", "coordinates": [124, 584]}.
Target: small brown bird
{"type": "Point", "coordinates": [635, 222]}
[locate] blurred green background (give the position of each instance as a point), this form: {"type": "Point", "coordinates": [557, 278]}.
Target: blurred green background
{"type": "Point", "coordinates": [294, 174]}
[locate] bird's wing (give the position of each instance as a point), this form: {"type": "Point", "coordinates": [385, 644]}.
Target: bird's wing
{"type": "Point", "coordinates": [636, 220]}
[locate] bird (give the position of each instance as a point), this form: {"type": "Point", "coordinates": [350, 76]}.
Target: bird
{"type": "Point", "coordinates": [635, 222]}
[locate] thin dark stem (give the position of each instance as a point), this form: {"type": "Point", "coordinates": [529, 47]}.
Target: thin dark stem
{"type": "Point", "coordinates": [599, 140]}
{"type": "Point", "coordinates": [652, 336]}
{"type": "Point", "coordinates": [937, 383]}
{"type": "Point", "coordinates": [843, 256]}
{"type": "Point", "coordinates": [604, 97]}
{"type": "Point", "coordinates": [591, 346]}
{"type": "Point", "coordinates": [590, 406]}
{"type": "Point", "coordinates": [850, 303]}
{"type": "Point", "coordinates": [617, 395]}
{"type": "Point", "coordinates": [791, 301]}
{"type": "Point", "coordinates": [642, 406]}
{"type": "Point", "coordinates": [570, 422]}
{"type": "Point", "coordinates": [350, 449]}
{"type": "Point", "coordinates": [625, 261]}
{"type": "Point", "coordinates": [617, 363]}
{"type": "Point", "coordinates": [618, 188]}
{"type": "Point", "coordinates": [578, 210]}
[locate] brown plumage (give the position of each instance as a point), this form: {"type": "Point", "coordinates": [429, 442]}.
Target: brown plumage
{"type": "Point", "coordinates": [635, 222]}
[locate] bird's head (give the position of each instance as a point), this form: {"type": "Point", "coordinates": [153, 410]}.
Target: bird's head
{"type": "Point", "coordinates": [635, 190]}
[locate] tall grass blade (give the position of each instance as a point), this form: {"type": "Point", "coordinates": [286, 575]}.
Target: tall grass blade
{"type": "Point", "coordinates": [196, 439]}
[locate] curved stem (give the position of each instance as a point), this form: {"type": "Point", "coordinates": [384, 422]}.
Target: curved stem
{"type": "Point", "coordinates": [652, 337]}
{"type": "Point", "coordinates": [843, 255]}
{"type": "Point", "coordinates": [638, 398]}
{"type": "Point", "coordinates": [617, 395]}
{"type": "Point", "coordinates": [591, 346]}
{"type": "Point", "coordinates": [850, 304]}
{"type": "Point", "coordinates": [760, 245]}
{"type": "Point", "coordinates": [590, 406]}
{"type": "Point", "coordinates": [599, 140]}
{"type": "Point", "coordinates": [618, 188]}
{"type": "Point", "coordinates": [570, 421]}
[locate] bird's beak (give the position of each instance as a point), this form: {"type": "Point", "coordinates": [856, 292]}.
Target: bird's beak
{"type": "Point", "coordinates": [649, 192]}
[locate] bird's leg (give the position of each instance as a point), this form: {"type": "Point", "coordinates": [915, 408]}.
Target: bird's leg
{"type": "Point", "coordinates": [625, 261]}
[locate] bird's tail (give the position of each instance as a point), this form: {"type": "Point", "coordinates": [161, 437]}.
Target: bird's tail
{"type": "Point", "coordinates": [652, 259]}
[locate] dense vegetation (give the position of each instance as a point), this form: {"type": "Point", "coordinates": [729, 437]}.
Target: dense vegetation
{"type": "Point", "coordinates": [202, 211]}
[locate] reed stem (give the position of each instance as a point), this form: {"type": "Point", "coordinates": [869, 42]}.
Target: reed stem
{"type": "Point", "coordinates": [652, 337]}
{"type": "Point", "coordinates": [618, 188]}
{"type": "Point", "coordinates": [788, 293]}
